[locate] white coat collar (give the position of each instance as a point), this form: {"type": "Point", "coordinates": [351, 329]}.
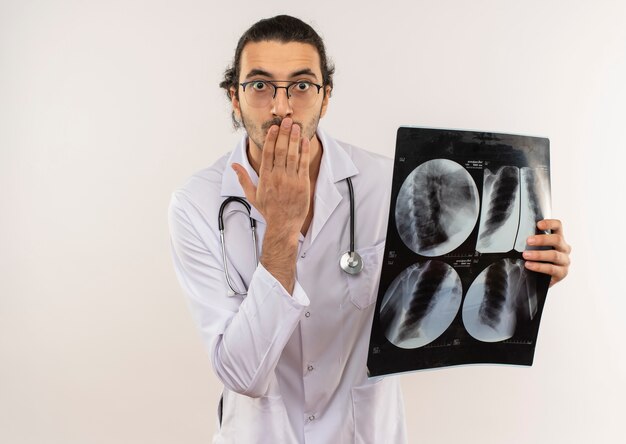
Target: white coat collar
{"type": "Point", "coordinates": [336, 165]}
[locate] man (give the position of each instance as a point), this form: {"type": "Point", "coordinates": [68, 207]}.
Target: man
{"type": "Point", "coordinates": [291, 353]}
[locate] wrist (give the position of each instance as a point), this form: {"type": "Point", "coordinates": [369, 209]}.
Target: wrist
{"type": "Point", "coordinates": [282, 234]}
{"type": "Point", "coordinates": [279, 255]}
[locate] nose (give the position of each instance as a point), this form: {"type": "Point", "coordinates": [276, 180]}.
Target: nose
{"type": "Point", "coordinates": [280, 105]}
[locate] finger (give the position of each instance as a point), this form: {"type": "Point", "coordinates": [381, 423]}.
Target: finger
{"type": "Point", "coordinates": [292, 154]}
{"type": "Point", "coordinates": [553, 225]}
{"type": "Point", "coordinates": [556, 272]}
{"type": "Point", "coordinates": [305, 158]}
{"type": "Point", "coordinates": [249, 189]}
{"type": "Point", "coordinates": [282, 143]}
{"type": "Point", "coordinates": [552, 256]}
{"type": "Point", "coordinates": [267, 157]}
{"type": "Point", "coordinates": [549, 240]}
{"type": "Point", "coordinates": [556, 227]}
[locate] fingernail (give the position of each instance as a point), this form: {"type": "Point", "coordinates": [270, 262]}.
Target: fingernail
{"type": "Point", "coordinates": [531, 240]}
{"type": "Point", "coordinates": [527, 254]}
{"type": "Point", "coordinates": [286, 123]}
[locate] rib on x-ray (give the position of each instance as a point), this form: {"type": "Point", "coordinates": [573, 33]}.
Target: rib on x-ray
{"type": "Point", "coordinates": [501, 297]}
{"type": "Point", "coordinates": [535, 203]}
{"type": "Point", "coordinates": [499, 218]}
{"type": "Point", "coordinates": [420, 304]}
{"type": "Point", "coordinates": [437, 207]}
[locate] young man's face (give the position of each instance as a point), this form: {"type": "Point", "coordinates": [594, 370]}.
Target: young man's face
{"type": "Point", "coordinates": [272, 60]}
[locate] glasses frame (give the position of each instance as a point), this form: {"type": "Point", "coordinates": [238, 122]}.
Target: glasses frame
{"type": "Point", "coordinates": [276, 87]}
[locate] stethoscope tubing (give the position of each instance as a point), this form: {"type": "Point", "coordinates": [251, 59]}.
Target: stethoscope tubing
{"type": "Point", "coordinates": [351, 193]}
{"type": "Point", "coordinates": [220, 225]}
{"type": "Point", "coordinates": [350, 262]}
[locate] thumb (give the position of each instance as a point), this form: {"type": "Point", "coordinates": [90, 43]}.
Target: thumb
{"type": "Point", "coordinates": [246, 183]}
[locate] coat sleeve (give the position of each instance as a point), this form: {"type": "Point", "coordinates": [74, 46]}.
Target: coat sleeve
{"type": "Point", "coordinates": [244, 336]}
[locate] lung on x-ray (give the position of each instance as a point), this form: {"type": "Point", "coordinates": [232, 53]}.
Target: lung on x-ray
{"type": "Point", "coordinates": [453, 288]}
{"type": "Point", "coordinates": [514, 199]}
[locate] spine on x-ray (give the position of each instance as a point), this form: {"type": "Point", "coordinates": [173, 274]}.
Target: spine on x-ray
{"type": "Point", "coordinates": [509, 297]}
{"type": "Point", "coordinates": [422, 298]}
{"type": "Point", "coordinates": [427, 212]}
{"type": "Point", "coordinates": [535, 203]}
{"type": "Point", "coordinates": [496, 286]}
{"type": "Point", "coordinates": [500, 210]}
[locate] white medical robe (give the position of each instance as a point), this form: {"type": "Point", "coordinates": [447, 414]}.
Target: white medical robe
{"type": "Point", "coordinates": [293, 368]}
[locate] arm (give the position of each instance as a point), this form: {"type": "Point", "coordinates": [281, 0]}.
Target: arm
{"type": "Point", "coordinates": [282, 197]}
{"type": "Point", "coordinates": [554, 262]}
{"type": "Point", "coordinates": [244, 336]}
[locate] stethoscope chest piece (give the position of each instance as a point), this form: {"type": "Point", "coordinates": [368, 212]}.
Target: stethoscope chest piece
{"type": "Point", "coordinates": [351, 262]}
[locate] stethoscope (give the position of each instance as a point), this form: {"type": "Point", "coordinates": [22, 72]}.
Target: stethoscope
{"type": "Point", "coordinates": [350, 262]}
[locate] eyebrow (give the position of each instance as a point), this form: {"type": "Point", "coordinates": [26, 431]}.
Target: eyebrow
{"type": "Point", "coordinates": [305, 71]}
{"type": "Point", "coordinates": [259, 72]}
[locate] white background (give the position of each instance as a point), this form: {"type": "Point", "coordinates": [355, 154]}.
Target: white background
{"type": "Point", "coordinates": [106, 107]}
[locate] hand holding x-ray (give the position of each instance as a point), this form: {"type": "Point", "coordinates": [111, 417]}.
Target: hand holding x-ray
{"type": "Point", "coordinates": [555, 261]}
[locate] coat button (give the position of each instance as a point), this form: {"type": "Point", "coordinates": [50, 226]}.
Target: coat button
{"type": "Point", "coordinates": [307, 314]}
{"type": "Point", "coordinates": [311, 417]}
{"type": "Point", "coordinates": [310, 368]}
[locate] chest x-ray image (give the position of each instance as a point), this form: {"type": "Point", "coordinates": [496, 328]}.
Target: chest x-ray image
{"type": "Point", "coordinates": [437, 207]}
{"type": "Point", "coordinates": [513, 200]}
{"type": "Point", "coordinates": [453, 288]}
{"type": "Point", "coordinates": [420, 304]}
{"type": "Point", "coordinates": [500, 297]}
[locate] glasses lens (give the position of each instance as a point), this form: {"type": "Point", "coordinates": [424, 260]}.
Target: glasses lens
{"type": "Point", "coordinates": [260, 94]}
{"type": "Point", "coordinates": [302, 94]}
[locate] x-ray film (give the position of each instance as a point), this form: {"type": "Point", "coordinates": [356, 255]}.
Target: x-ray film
{"type": "Point", "coordinates": [453, 287]}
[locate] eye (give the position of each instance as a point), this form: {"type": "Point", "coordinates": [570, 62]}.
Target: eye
{"type": "Point", "coordinates": [258, 86]}
{"type": "Point", "coordinates": [302, 86]}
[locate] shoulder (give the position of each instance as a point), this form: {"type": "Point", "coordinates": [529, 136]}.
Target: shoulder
{"type": "Point", "coordinates": [201, 191]}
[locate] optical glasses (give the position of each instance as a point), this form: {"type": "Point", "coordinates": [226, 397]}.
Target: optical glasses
{"type": "Point", "coordinates": [260, 93]}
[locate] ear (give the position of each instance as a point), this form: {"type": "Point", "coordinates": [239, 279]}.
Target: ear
{"type": "Point", "coordinates": [327, 90]}
{"type": "Point", "coordinates": [235, 102]}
